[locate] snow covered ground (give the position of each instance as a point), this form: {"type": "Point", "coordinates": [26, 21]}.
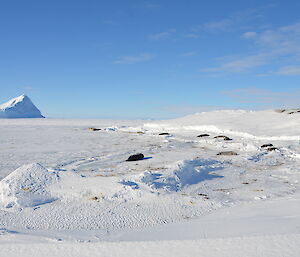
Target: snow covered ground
{"type": "Point", "coordinates": [62, 184]}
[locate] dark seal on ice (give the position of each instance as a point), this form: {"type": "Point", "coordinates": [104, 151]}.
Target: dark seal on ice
{"type": "Point", "coordinates": [203, 135]}
{"type": "Point", "coordinates": [224, 137]}
{"type": "Point", "coordinates": [135, 157]}
{"type": "Point", "coordinates": [228, 153]}
{"type": "Point", "coordinates": [94, 129]}
{"type": "Point", "coordinates": [266, 145]}
{"type": "Point", "coordinates": [270, 149]}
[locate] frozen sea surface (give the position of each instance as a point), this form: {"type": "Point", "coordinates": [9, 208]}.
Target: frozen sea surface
{"type": "Point", "coordinates": [175, 193]}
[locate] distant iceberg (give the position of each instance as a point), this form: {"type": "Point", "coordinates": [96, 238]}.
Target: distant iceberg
{"type": "Point", "coordinates": [19, 107]}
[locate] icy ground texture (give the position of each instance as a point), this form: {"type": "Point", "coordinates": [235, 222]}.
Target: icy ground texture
{"type": "Point", "coordinates": [19, 107]}
{"type": "Point", "coordinates": [181, 179]}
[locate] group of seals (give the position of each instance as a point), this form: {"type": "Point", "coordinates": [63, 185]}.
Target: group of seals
{"type": "Point", "coordinates": [140, 156]}
{"type": "Point", "coordinates": [290, 111]}
{"type": "Point", "coordinates": [269, 147]}
{"type": "Point", "coordinates": [225, 138]}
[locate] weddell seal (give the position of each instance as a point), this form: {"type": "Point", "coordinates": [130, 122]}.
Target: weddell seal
{"type": "Point", "coordinates": [135, 157]}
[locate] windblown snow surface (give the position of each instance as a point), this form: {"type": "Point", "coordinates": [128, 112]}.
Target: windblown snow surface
{"type": "Point", "coordinates": [66, 190]}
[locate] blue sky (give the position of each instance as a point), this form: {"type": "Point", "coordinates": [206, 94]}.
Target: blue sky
{"type": "Point", "coordinates": [149, 59]}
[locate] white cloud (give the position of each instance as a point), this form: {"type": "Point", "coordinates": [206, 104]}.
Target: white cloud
{"type": "Point", "coordinates": [221, 25]}
{"type": "Point", "coordinates": [162, 35]}
{"type": "Point", "coordinates": [132, 59]}
{"type": "Point", "coordinates": [283, 40]}
{"type": "Point", "coordinates": [271, 45]}
{"type": "Point", "coordinates": [240, 64]}
{"type": "Point", "coordinates": [180, 110]}
{"type": "Point", "coordinates": [236, 21]}
{"type": "Point", "coordinates": [289, 70]}
{"type": "Point", "coordinates": [250, 34]}
{"type": "Point", "coordinates": [266, 98]}
{"type": "Point", "coordinates": [187, 54]}
{"type": "Point", "coordinates": [28, 88]}
{"type": "Point", "coordinates": [191, 35]}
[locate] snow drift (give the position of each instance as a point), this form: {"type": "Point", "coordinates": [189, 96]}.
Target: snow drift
{"type": "Point", "coordinates": [182, 174]}
{"type": "Point", "coordinates": [268, 124]}
{"type": "Point", "coordinates": [27, 186]}
{"type": "Point", "coordinates": [20, 107]}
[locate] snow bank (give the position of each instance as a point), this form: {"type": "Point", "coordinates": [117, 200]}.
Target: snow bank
{"type": "Point", "coordinates": [248, 124]}
{"type": "Point", "coordinates": [27, 186]}
{"type": "Point", "coordinates": [20, 107]}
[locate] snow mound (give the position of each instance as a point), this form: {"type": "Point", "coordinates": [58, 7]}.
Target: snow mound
{"type": "Point", "coordinates": [27, 186]}
{"type": "Point", "coordinates": [248, 124]}
{"type": "Point", "coordinates": [20, 107]}
{"type": "Point", "coordinates": [185, 173]}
